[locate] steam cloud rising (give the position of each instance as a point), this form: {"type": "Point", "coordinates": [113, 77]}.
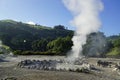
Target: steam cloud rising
{"type": "Point", "coordinates": [86, 20]}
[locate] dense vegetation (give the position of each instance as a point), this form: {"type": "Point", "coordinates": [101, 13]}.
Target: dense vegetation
{"type": "Point", "coordinates": [114, 46]}
{"type": "Point", "coordinates": [26, 39]}
{"type": "Point", "coordinates": [22, 37]}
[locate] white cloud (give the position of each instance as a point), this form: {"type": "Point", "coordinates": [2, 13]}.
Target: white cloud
{"type": "Point", "coordinates": [31, 23]}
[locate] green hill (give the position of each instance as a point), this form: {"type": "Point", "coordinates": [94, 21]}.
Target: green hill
{"type": "Point", "coordinates": [21, 36]}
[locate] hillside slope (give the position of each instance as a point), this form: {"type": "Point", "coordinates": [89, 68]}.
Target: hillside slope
{"type": "Point", "coordinates": [18, 34]}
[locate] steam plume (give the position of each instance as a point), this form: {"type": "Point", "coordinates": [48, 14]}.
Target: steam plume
{"type": "Point", "coordinates": [97, 45]}
{"type": "Point", "coordinates": [86, 20]}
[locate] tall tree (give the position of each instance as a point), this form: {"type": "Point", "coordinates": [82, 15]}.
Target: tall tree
{"type": "Point", "coordinates": [60, 45]}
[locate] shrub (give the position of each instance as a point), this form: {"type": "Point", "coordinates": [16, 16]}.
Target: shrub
{"type": "Point", "coordinates": [1, 52]}
{"type": "Point", "coordinates": [17, 52]}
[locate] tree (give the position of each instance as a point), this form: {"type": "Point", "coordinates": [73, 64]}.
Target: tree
{"type": "Point", "coordinates": [60, 45]}
{"type": "Point", "coordinates": [116, 42]}
{"type": "Point", "coordinates": [59, 27]}
{"type": "Point", "coordinates": [115, 48]}
{"type": "Point", "coordinates": [40, 45]}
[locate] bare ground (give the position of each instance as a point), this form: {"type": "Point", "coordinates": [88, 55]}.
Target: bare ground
{"type": "Point", "coordinates": [9, 69]}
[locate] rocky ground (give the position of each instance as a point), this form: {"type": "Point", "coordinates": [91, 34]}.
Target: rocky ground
{"type": "Point", "coordinates": [9, 71]}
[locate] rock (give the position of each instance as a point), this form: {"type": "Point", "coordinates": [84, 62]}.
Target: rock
{"type": "Point", "coordinates": [1, 60]}
{"type": "Point", "coordinates": [104, 63]}
{"type": "Point", "coordinates": [55, 65]}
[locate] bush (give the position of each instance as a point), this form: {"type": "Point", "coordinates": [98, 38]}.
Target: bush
{"type": "Point", "coordinates": [19, 52]}
{"type": "Point", "coordinates": [115, 52]}
{"type": "Point", "coordinates": [1, 52]}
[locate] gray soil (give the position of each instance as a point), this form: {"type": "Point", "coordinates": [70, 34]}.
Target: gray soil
{"type": "Point", "coordinates": [8, 69]}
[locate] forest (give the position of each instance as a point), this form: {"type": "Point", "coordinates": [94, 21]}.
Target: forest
{"type": "Point", "coordinates": [26, 39]}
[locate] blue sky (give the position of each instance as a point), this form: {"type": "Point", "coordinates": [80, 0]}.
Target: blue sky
{"type": "Point", "coordinates": [53, 12]}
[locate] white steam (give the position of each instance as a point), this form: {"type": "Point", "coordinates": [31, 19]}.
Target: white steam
{"type": "Point", "coordinates": [97, 45]}
{"type": "Point", "coordinates": [86, 20]}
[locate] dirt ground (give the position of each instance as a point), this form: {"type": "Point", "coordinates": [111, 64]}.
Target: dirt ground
{"type": "Point", "coordinates": [9, 69]}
